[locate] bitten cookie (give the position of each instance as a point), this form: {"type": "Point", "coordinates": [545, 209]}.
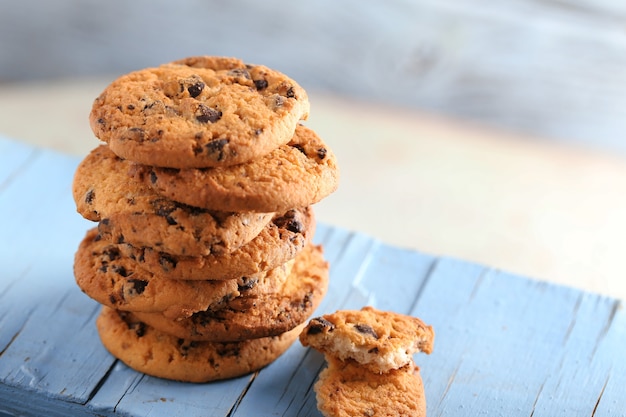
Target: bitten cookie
{"type": "Point", "coordinates": [280, 241]}
{"type": "Point", "coordinates": [377, 340]}
{"type": "Point", "coordinates": [297, 174]}
{"type": "Point", "coordinates": [149, 351]}
{"type": "Point", "coordinates": [131, 212]}
{"type": "Point", "coordinates": [113, 280]}
{"type": "Point", "coordinates": [269, 315]}
{"type": "Point", "coordinates": [198, 112]}
{"type": "Point", "coordinates": [346, 389]}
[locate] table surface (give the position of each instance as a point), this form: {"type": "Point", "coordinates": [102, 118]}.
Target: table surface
{"type": "Point", "coordinates": [505, 344]}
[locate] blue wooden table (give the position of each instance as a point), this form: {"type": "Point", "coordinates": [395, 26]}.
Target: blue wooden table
{"type": "Point", "coordinates": [505, 345]}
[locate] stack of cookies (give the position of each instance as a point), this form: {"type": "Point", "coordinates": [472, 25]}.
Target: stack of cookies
{"type": "Point", "coordinates": [370, 369]}
{"type": "Point", "coordinates": [202, 256]}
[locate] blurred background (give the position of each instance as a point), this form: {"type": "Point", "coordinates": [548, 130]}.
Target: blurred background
{"type": "Point", "coordinates": [490, 131]}
{"type": "Point", "coordinates": [553, 68]}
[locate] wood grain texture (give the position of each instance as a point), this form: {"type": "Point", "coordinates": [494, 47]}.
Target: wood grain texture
{"type": "Point", "coordinates": [505, 345]}
{"type": "Point", "coordinates": [549, 68]}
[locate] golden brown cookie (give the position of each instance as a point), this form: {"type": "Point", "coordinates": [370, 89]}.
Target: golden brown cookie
{"type": "Point", "coordinates": [377, 340]}
{"type": "Point", "coordinates": [198, 112]}
{"type": "Point", "coordinates": [270, 315]}
{"type": "Point", "coordinates": [131, 212]}
{"type": "Point", "coordinates": [346, 389]}
{"type": "Point", "coordinates": [113, 280]}
{"type": "Point", "coordinates": [280, 241]}
{"type": "Point", "coordinates": [297, 174]}
{"type": "Point", "coordinates": [154, 353]}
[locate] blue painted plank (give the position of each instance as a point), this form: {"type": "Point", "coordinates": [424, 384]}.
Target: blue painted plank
{"type": "Point", "coordinates": [609, 361]}
{"type": "Point", "coordinates": [576, 366]}
{"type": "Point", "coordinates": [15, 155]}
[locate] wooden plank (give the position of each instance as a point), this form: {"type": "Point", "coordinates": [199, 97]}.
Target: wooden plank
{"type": "Point", "coordinates": [15, 156]}
{"type": "Point", "coordinates": [505, 345]}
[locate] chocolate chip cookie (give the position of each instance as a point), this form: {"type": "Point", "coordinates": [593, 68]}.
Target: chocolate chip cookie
{"type": "Point", "coordinates": [131, 212]}
{"type": "Point", "coordinates": [346, 389]}
{"type": "Point", "coordinates": [280, 241]}
{"type": "Point", "coordinates": [106, 276]}
{"type": "Point", "coordinates": [198, 112]}
{"type": "Point", "coordinates": [147, 350]}
{"type": "Point", "coordinates": [297, 174]}
{"type": "Point", "coordinates": [377, 340]}
{"type": "Point", "coordinates": [270, 315]}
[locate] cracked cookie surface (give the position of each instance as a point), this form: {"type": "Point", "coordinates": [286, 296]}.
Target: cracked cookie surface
{"type": "Point", "coordinates": [198, 112]}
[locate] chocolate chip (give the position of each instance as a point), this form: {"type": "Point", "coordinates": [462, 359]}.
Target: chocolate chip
{"type": "Point", "coordinates": [247, 284]}
{"type": "Point", "coordinates": [130, 107]}
{"type": "Point", "coordinates": [185, 345]}
{"type": "Point", "coordinates": [299, 147]}
{"type": "Point", "coordinates": [139, 328]}
{"type": "Point", "coordinates": [120, 270]}
{"type": "Point", "coordinates": [153, 177]}
{"type": "Point", "coordinates": [167, 262]}
{"type": "Point", "coordinates": [288, 221]}
{"type": "Point", "coordinates": [136, 134]}
{"type": "Point", "coordinates": [111, 253]}
{"type": "Point", "coordinates": [318, 325]}
{"type": "Point", "coordinates": [228, 349]}
{"type": "Point", "coordinates": [260, 84]}
{"type": "Point", "coordinates": [365, 329]}
{"type": "Point", "coordinates": [208, 114]}
{"type": "Point", "coordinates": [89, 196]}
{"type": "Point", "coordinates": [196, 89]}
{"type": "Point", "coordinates": [217, 147]}
{"type": "Point", "coordinates": [139, 285]}
{"type": "Point", "coordinates": [239, 72]}
{"type": "Point", "coordinates": [286, 90]}
{"type": "Point", "coordinates": [165, 208]}
{"type": "Point", "coordinates": [321, 153]}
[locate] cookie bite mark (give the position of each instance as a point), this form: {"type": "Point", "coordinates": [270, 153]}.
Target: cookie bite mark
{"type": "Point", "coordinates": [377, 340]}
